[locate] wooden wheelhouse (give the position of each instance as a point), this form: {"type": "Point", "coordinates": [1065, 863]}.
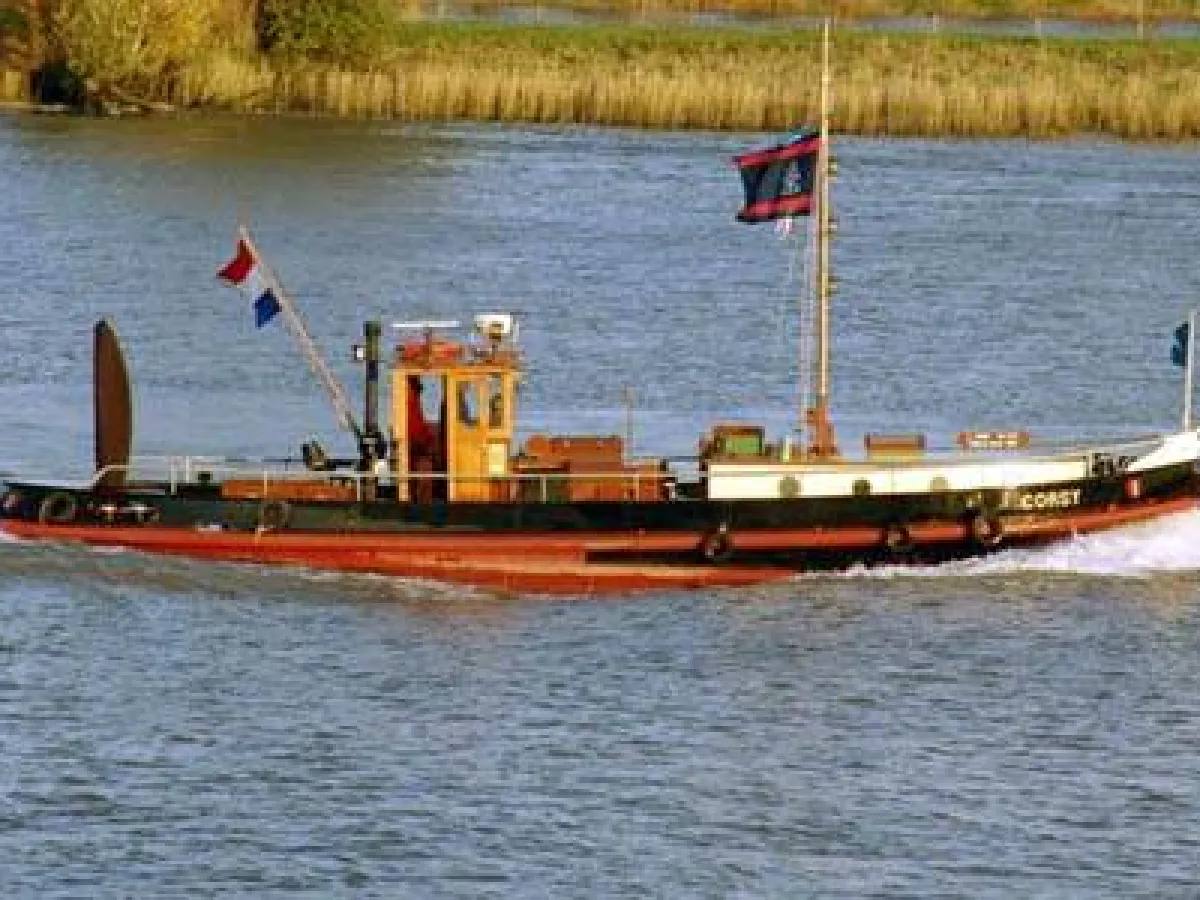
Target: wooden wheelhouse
{"type": "Point", "coordinates": [452, 435]}
{"type": "Point", "coordinates": [452, 411]}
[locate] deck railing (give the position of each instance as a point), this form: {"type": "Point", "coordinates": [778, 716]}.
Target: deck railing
{"type": "Point", "coordinates": [174, 472]}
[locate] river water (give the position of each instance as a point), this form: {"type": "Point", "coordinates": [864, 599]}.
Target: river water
{"type": "Point", "coordinates": [1024, 726]}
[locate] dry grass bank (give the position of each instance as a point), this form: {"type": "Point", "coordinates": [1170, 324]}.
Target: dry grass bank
{"type": "Point", "coordinates": [703, 78]}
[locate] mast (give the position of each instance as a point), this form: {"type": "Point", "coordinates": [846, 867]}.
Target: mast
{"type": "Point", "coordinates": [821, 438]}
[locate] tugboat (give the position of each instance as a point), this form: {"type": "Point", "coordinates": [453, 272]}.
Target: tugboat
{"type": "Point", "coordinates": [441, 489]}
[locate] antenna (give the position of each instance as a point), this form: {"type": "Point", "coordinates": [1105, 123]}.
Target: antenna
{"type": "Point", "coordinates": [629, 398]}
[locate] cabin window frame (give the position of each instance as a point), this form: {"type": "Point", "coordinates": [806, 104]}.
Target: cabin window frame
{"type": "Point", "coordinates": [496, 412]}
{"type": "Point", "coordinates": [466, 405]}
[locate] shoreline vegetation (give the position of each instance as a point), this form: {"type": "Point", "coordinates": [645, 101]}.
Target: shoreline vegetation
{"type": "Point", "coordinates": [222, 58]}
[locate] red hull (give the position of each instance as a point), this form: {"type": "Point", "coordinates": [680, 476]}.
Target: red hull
{"type": "Point", "coordinates": [545, 564]}
{"type": "Point", "coordinates": [558, 563]}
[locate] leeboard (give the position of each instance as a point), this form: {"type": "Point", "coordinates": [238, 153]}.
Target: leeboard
{"type": "Point", "coordinates": [112, 406]}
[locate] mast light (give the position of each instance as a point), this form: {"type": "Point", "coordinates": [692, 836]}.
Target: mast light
{"type": "Point", "coordinates": [495, 326]}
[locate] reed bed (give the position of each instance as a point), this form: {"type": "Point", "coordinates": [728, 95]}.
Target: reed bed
{"type": "Point", "coordinates": [734, 80]}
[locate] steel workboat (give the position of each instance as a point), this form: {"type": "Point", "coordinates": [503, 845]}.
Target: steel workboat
{"type": "Point", "coordinates": [440, 486]}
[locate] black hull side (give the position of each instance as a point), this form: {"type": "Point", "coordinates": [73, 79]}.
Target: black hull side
{"type": "Point", "coordinates": [202, 507]}
{"type": "Point", "coordinates": [594, 547]}
{"type": "Point", "coordinates": [701, 516]}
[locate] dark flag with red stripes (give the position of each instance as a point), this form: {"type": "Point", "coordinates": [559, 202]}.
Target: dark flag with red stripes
{"type": "Point", "coordinates": [779, 180]}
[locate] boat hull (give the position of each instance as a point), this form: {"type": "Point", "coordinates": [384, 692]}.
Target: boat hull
{"type": "Point", "coordinates": [612, 548]}
{"type": "Point", "coordinates": [527, 564]}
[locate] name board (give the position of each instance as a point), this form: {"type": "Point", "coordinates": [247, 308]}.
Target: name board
{"type": "Point", "coordinates": [1032, 501]}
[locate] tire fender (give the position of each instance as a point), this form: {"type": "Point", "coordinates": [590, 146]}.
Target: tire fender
{"type": "Point", "coordinates": [273, 515]}
{"type": "Point", "coordinates": [716, 546]}
{"type": "Point", "coordinates": [897, 539]}
{"type": "Point", "coordinates": [58, 508]}
{"type": "Point", "coordinates": [987, 530]}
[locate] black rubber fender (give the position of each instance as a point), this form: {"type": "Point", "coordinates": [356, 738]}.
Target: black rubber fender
{"type": "Point", "coordinates": [987, 531]}
{"type": "Point", "coordinates": [58, 508]}
{"type": "Point", "coordinates": [716, 546]}
{"type": "Point", "coordinates": [273, 515]}
{"type": "Point", "coordinates": [897, 538]}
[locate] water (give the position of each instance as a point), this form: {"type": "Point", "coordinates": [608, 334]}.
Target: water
{"type": "Point", "coordinates": [538, 14]}
{"type": "Point", "coordinates": [1020, 726]}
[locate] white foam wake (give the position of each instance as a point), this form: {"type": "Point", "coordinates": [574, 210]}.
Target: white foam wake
{"type": "Point", "coordinates": [1169, 544]}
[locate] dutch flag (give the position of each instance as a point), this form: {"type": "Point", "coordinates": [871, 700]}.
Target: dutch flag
{"type": "Point", "coordinates": [246, 273]}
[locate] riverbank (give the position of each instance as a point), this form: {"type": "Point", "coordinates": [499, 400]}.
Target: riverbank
{"type": "Point", "coordinates": [726, 79]}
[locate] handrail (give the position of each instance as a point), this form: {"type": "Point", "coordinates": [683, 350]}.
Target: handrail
{"type": "Point", "coordinates": [1038, 450]}
{"type": "Point", "coordinates": [177, 471]}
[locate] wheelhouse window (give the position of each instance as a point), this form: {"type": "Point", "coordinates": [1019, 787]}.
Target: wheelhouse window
{"type": "Point", "coordinates": [495, 392]}
{"type": "Point", "coordinates": [468, 404]}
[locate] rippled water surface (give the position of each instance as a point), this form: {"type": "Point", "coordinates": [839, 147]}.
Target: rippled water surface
{"type": "Point", "coordinates": [1023, 726]}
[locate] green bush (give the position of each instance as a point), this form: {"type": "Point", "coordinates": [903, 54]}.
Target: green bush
{"type": "Point", "coordinates": [331, 30]}
{"type": "Point", "coordinates": [13, 22]}
{"type": "Point", "coordinates": [131, 44]}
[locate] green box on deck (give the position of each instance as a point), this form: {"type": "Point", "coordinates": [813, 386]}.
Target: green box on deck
{"type": "Point", "coordinates": [738, 440]}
